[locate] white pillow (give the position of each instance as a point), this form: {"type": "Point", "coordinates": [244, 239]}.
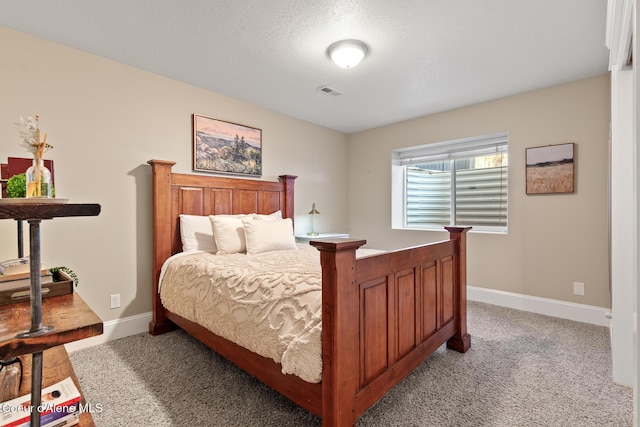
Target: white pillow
{"type": "Point", "coordinates": [274, 235]}
{"type": "Point", "coordinates": [271, 217]}
{"type": "Point", "coordinates": [196, 233]}
{"type": "Point", "coordinates": [228, 233]}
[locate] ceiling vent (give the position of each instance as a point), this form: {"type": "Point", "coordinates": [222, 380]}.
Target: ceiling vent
{"type": "Point", "coordinates": [330, 90]}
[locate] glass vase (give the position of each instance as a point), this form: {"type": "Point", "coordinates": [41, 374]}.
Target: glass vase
{"type": "Point", "coordinates": [38, 179]}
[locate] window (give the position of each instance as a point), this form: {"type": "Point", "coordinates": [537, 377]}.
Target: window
{"type": "Point", "coordinates": [461, 183]}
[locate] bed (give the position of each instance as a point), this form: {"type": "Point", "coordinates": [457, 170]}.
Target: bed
{"type": "Point", "coordinates": [382, 315]}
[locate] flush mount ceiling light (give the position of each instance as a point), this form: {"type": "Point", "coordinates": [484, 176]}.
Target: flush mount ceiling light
{"type": "Point", "coordinates": [347, 53]}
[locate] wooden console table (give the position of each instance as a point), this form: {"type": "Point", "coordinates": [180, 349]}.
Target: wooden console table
{"type": "Point", "coordinates": [61, 316]}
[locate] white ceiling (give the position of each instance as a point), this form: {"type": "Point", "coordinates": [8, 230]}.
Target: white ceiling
{"type": "Point", "coordinates": [426, 56]}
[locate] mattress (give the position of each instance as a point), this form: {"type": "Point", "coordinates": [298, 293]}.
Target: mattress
{"type": "Point", "coordinates": [269, 303]}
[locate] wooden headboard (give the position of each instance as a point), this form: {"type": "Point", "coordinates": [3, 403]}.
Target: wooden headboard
{"type": "Point", "coordinates": [175, 194]}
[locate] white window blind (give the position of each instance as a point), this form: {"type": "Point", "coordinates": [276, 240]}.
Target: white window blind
{"type": "Point", "coordinates": [462, 183]}
{"type": "Point", "coordinates": [460, 148]}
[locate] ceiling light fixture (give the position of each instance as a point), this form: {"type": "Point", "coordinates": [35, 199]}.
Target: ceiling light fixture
{"type": "Point", "coordinates": [347, 53]}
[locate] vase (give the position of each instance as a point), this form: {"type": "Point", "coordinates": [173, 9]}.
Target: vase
{"type": "Point", "coordinates": [10, 378]}
{"type": "Point", "coordinates": [38, 179]}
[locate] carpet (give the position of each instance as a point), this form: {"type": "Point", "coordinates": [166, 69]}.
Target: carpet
{"type": "Point", "coordinates": [523, 369]}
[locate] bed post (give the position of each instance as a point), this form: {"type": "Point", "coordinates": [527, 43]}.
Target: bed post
{"type": "Point", "coordinates": [461, 341]}
{"type": "Point", "coordinates": [288, 209]}
{"type": "Point", "coordinates": [340, 331]}
{"type": "Point", "coordinates": [161, 179]}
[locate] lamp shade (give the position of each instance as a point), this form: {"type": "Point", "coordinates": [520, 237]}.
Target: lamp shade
{"type": "Point", "coordinates": [313, 210]}
{"type": "Point", "coordinates": [347, 53]}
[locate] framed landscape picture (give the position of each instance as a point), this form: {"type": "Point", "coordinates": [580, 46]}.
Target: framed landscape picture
{"type": "Point", "coordinates": [550, 169]}
{"type": "Point", "coordinates": [225, 147]}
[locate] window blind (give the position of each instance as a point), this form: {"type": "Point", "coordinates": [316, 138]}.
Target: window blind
{"type": "Point", "coordinates": [458, 149]}
{"type": "Point", "coordinates": [456, 187]}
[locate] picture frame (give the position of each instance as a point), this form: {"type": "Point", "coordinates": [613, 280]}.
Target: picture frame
{"type": "Point", "coordinates": [225, 147]}
{"type": "Point", "coordinates": [550, 169]}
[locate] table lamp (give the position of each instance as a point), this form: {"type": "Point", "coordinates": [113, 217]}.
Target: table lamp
{"type": "Point", "coordinates": [313, 213]}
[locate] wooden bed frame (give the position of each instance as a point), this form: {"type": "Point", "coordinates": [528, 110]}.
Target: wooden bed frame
{"type": "Point", "coordinates": [381, 315]}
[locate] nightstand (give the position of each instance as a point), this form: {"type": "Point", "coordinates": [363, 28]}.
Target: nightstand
{"type": "Point", "coordinates": [306, 239]}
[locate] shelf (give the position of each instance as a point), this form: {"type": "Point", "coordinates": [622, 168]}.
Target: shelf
{"type": "Point", "coordinates": [70, 316]}
{"type": "Point", "coordinates": [35, 211]}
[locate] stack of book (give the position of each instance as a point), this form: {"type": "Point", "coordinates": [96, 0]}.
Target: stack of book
{"type": "Point", "coordinates": [15, 282]}
{"type": "Point", "coordinates": [60, 407]}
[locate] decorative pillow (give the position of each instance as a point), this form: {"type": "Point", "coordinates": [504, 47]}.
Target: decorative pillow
{"type": "Point", "coordinates": [277, 215]}
{"type": "Point", "coordinates": [196, 233]}
{"type": "Point", "coordinates": [274, 235]}
{"type": "Point", "coordinates": [228, 233]}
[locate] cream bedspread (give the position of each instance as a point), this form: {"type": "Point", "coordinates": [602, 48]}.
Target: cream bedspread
{"type": "Point", "coordinates": [269, 303]}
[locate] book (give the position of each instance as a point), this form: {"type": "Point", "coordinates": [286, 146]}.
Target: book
{"type": "Point", "coordinates": [60, 405]}
{"type": "Point", "coordinates": [26, 282]}
{"type": "Point", "coordinates": [72, 419]}
{"type": "Point", "coordinates": [15, 266]}
{"type": "Point", "coordinates": [17, 276]}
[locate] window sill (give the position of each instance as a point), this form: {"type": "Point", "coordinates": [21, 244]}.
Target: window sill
{"type": "Point", "coordinates": [442, 229]}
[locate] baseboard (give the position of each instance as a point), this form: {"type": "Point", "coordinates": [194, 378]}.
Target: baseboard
{"type": "Point", "coordinates": [549, 307]}
{"type": "Point", "coordinates": [114, 329]}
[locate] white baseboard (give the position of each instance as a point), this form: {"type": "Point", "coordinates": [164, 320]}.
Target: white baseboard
{"type": "Point", "coordinates": [120, 328]}
{"type": "Point", "coordinates": [114, 329]}
{"type": "Point", "coordinates": [549, 307]}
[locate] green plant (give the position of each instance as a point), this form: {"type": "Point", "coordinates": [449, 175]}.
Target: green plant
{"type": "Point", "coordinates": [17, 186]}
{"type": "Point", "coordinates": [67, 270]}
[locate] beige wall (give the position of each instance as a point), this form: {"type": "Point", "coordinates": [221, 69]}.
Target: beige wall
{"type": "Point", "coordinates": [553, 240]}
{"type": "Point", "coordinates": [106, 120]}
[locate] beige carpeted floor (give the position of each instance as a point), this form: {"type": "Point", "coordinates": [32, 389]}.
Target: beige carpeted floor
{"type": "Point", "coordinates": [523, 370]}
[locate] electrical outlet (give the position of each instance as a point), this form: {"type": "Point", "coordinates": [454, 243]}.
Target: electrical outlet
{"type": "Point", "coordinates": [115, 300]}
{"type": "Point", "coordinates": [578, 288]}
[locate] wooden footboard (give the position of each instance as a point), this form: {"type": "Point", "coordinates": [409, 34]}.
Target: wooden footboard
{"type": "Point", "coordinates": [383, 315]}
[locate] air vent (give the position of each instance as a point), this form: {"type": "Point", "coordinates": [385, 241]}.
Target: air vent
{"type": "Point", "coordinates": [330, 90]}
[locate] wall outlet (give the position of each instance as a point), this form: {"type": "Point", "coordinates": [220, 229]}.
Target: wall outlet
{"type": "Point", "coordinates": [578, 288]}
{"type": "Point", "coordinates": [115, 300]}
